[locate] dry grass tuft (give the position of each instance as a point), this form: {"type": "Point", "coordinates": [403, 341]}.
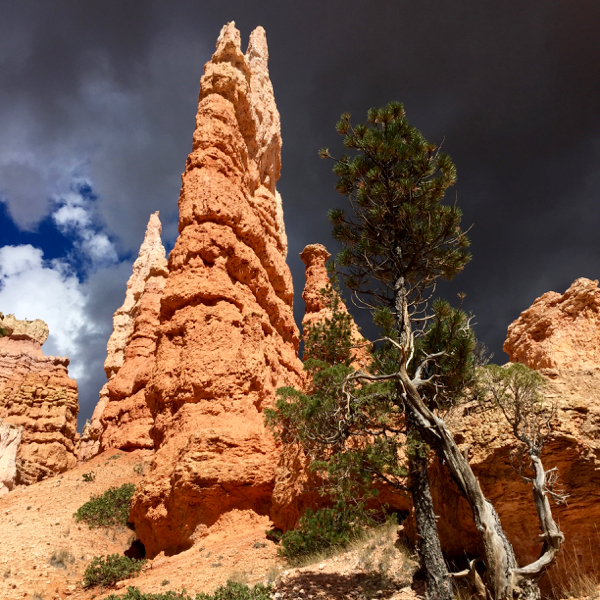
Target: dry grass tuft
{"type": "Point", "coordinates": [61, 558]}
{"type": "Point", "coordinates": [580, 585]}
{"type": "Point", "coordinates": [239, 577]}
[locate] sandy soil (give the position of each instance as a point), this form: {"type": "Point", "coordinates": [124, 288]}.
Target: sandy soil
{"type": "Point", "coordinates": [38, 530]}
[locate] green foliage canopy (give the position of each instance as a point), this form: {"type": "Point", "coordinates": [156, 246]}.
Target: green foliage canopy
{"type": "Point", "coordinates": [399, 229]}
{"type": "Point", "coordinates": [109, 509]}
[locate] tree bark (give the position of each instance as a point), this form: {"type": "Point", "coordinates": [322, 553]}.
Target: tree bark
{"type": "Point", "coordinates": [439, 584]}
{"type": "Point", "coordinates": [500, 558]}
{"type": "Point", "coordinates": [504, 579]}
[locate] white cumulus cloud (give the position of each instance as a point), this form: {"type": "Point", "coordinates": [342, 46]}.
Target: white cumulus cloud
{"type": "Point", "coordinates": [74, 218]}
{"type": "Point", "coordinates": [33, 288]}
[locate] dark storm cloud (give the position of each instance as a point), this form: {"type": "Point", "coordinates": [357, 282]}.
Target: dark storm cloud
{"type": "Point", "coordinates": [513, 89]}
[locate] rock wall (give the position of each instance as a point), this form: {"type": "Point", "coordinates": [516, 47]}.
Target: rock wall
{"type": "Point", "coordinates": [558, 335]}
{"type": "Point", "coordinates": [10, 439]}
{"type": "Point", "coordinates": [37, 394]}
{"type": "Point", "coordinates": [559, 331]}
{"type": "Point", "coordinates": [227, 336]}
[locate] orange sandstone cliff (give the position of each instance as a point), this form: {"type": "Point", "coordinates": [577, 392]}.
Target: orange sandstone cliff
{"type": "Point", "coordinates": [227, 337]}
{"type": "Point", "coordinates": [38, 406]}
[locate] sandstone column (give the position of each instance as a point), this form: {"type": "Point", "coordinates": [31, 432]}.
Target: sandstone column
{"type": "Point", "coordinates": [314, 256]}
{"type": "Point", "coordinates": [227, 336]}
{"type": "Point", "coordinates": [121, 418]}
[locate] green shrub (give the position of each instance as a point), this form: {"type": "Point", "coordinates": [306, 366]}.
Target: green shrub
{"type": "Point", "coordinates": [274, 535]}
{"type": "Point", "coordinates": [106, 571]}
{"type": "Point", "coordinates": [238, 591]}
{"type": "Point", "coordinates": [89, 477]}
{"type": "Point", "coordinates": [111, 508]}
{"type": "Point", "coordinates": [325, 529]}
{"type": "Point", "coordinates": [230, 591]}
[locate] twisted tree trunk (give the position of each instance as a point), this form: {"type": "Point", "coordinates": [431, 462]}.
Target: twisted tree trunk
{"type": "Point", "coordinates": [439, 584]}
{"type": "Point", "coordinates": [504, 579]}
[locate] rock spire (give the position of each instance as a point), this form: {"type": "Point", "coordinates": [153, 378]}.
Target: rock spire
{"type": "Point", "coordinates": [121, 418]}
{"type": "Point", "coordinates": [227, 337]}
{"type": "Point", "coordinates": [314, 256]}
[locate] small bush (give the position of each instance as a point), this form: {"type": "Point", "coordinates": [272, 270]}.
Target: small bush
{"type": "Point", "coordinates": [274, 535]}
{"type": "Point", "coordinates": [61, 558]}
{"type": "Point", "coordinates": [138, 468]}
{"type": "Point", "coordinates": [89, 477]}
{"type": "Point", "coordinates": [233, 590]}
{"type": "Point", "coordinates": [106, 571]}
{"type": "Point", "coordinates": [324, 530]}
{"type": "Point", "coordinates": [111, 508]}
{"type": "Point", "coordinates": [230, 591]}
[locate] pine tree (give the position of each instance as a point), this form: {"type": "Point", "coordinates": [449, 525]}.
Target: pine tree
{"type": "Point", "coordinates": [398, 241]}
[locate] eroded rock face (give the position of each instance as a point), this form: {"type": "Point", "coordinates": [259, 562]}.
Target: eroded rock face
{"type": "Point", "coordinates": [559, 335]}
{"type": "Point", "coordinates": [151, 254]}
{"type": "Point", "coordinates": [317, 310]}
{"type": "Point", "coordinates": [10, 438]}
{"type": "Point", "coordinates": [37, 394]}
{"type": "Point", "coordinates": [126, 420]}
{"type": "Point", "coordinates": [121, 418]}
{"type": "Point", "coordinates": [574, 449]}
{"type": "Point", "coordinates": [227, 336]}
{"type": "Point", "coordinates": [559, 331]}
{"type": "Point", "coordinates": [22, 329]}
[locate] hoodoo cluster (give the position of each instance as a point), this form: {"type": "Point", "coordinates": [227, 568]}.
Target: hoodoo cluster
{"type": "Point", "coordinates": [203, 341]}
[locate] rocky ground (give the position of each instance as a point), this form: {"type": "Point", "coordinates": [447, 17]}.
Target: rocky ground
{"type": "Point", "coordinates": [44, 551]}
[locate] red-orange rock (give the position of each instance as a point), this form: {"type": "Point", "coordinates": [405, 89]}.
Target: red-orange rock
{"type": "Point", "coordinates": [37, 395]}
{"type": "Point", "coordinates": [574, 449]}
{"type": "Point", "coordinates": [295, 486]}
{"type": "Point", "coordinates": [126, 419]}
{"type": "Point", "coordinates": [318, 309]}
{"type": "Point", "coordinates": [559, 335]}
{"type": "Point", "coordinates": [559, 331]}
{"type": "Point", "coordinates": [122, 418]}
{"type": "Point", "coordinates": [227, 337]}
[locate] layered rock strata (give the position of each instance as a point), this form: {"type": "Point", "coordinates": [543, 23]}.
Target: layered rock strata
{"type": "Point", "coordinates": [151, 260]}
{"type": "Point", "coordinates": [121, 418]}
{"type": "Point", "coordinates": [227, 337]}
{"type": "Point", "coordinates": [37, 395]}
{"type": "Point", "coordinates": [126, 420]}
